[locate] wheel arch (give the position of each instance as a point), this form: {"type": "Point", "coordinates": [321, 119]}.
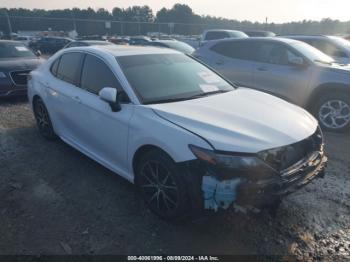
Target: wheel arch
{"type": "Point", "coordinates": [35, 98]}
{"type": "Point", "coordinates": [143, 150]}
{"type": "Point", "coordinates": [324, 89]}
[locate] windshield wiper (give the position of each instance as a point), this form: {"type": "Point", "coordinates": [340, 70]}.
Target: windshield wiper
{"type": "Point", "coordinates": [323, 62]}
{"type": "Point", "coordinates": [209, 93]}
{"type": "Point", "coordinates": [169, 100]}
{"type": "Point", "coordinates": [178, 99]}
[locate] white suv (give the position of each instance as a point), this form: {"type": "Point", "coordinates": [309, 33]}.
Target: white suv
{"type": "Point", "coordinates": [189, 139]}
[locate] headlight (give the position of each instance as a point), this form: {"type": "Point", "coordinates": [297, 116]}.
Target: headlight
{"type": "Point", "coordinates": [241, 161]}
{"type": "Point", "coordinates": [2, 75]}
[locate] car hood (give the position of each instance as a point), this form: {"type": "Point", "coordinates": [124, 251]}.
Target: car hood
{"type": "Point", "coordinates": [337, 68]}
{"type": "Point", "coordinates": [19, 64]}
{"type": "Point", "coordinates": [243, 120]}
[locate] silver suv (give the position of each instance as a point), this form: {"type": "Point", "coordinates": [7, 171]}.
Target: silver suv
{"type": "Point", "coordinates": [336, 47]}
{"type": "Point", "coordinates": [290, 69]}
{"type": "Point", "coordinates": [216, 34]}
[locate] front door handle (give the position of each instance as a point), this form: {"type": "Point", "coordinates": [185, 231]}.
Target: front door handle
{"type": "Point", "coordinates": [45, 84]}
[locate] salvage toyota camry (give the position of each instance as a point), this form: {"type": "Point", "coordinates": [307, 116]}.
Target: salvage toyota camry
{"type": "Point", "coordinates": [189, 139]}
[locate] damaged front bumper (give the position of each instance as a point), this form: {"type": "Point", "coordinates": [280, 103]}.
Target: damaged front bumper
{"type": "Point", "coordinates": [223, 188]}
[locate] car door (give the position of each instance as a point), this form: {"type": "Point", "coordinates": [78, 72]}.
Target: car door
{"type": "Point", "coordinates": [275, 74]}
{"type": "Point", "coordinates": [103, 133]}
{"type": "Point", "coordinates": [233, 60]}
{"type": "Point", "coordinates": [63, 95]}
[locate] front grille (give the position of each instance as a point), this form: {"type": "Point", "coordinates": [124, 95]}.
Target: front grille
{"type": "Point", "coordinates": [287, 156]}
{"type": "Point", "coordinates": [19, 77]}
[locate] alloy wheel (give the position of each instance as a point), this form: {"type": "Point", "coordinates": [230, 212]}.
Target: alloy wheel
{"type": "Point", "coordinates": [334, 114]}
{"type": "Point", "coordinates": [42, 118]}
{"type": "Point", "coordinates": [158, 187]}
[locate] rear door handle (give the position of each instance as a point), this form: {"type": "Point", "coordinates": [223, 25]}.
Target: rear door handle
{"type": "Point", "coordinates": [77, 99]}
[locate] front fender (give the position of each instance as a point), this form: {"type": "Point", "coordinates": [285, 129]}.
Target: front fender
{"type": "Point", "coordinates": [147, 128]}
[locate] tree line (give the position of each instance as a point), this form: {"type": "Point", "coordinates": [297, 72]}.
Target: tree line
{"type": "Point", "coordinates": [180, 19]}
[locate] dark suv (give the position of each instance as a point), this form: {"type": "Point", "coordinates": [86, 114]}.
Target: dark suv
{"type": "Point", "coordinates": [49, 45]}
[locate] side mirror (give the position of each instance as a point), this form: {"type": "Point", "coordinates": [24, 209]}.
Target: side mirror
{"type": "Point", "coordinates": [297, 61]}
{"type": "Point", "coordinates": [38, 53]}
{"type": "Point", "coordinates": [109, 95]}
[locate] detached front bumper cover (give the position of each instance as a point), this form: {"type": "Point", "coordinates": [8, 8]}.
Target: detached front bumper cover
{"type": "Point", "coordinates": [231, 179]}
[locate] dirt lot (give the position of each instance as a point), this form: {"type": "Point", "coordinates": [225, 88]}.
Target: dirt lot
{"type": "Point", "coordinates": [54, 200]}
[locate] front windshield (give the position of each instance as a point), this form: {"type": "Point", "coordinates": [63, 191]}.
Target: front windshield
{"type": "Point", "coordinates": [158, 78]}
{"type": "Point", "coordinates": [180, 46]}
{"type": "Point", "coordinates": [15, 50]}
{"type": "Point", "coordinates": [341, 41]}
{"type": "Point", "coordinates": [312, 53]}
{"type": "Point", "coordinates": [237, 34]}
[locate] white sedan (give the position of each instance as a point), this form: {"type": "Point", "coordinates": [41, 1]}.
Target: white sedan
{"type": "Point", "coordinates": [188, 138]}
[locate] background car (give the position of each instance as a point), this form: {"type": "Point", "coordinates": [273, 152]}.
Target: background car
{"type": "Point", "coordinates": [16, 61]}
{"type": "Point", "coordinates": [173, 44]}
{"type": "Point", "coordinates": [216, 34]}
{"type": "Point", "coordinates": [139, 40]}
{"type": "Point", "coordinates": [24, 39]}
{"type": "Point", "coordinates": [87, 43]}
{"type": "Point", "coordinates": [257, 33]}
{"type": "Point", "coordinates": [290, 69]}
{"type": "Point", "coordinates": [188, 139]}
{"type": "Point", "coordinates": [50, 45]}
{"type": "Point", "coordinates": [336, 47]}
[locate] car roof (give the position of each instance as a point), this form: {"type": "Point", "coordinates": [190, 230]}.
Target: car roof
{"type": "Point", "coordinates": [165, 40]}
{"type": "Point", "coordinates": [10, 42]}
{"type": "Point", "coordinates": [91, 41]}
{"type": "Point", "coordinates": [260, 39]}
{"type": "Point", "coordinates": [305, 36]}
{"type": "Point", "coordinates": [56, 37]}
{"type": "Point", "coordinates": [117, 50]}
{"type": "Point", "coordinates": [221, 30]}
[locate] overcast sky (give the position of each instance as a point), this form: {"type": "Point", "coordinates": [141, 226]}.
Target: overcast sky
{"type": "Point", "coordinates": [253, 10]}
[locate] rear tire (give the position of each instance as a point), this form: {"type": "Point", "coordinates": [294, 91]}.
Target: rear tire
{"type": "Point", "coordinates": [43, 120]}
{"type": "Point", "coordinates": [162, 186]}
{"type": "Point", "coordinates": [332, 110]}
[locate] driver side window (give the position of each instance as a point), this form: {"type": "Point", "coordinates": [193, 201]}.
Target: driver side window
{"type": "Point", "coordinates": [277, 54]}
{"type": "Point", "coordinates": [97, 75]}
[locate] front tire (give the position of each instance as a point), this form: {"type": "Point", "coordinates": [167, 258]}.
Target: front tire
{"type": "Point", "coordinates": [43, 120]}
{"type": "Point", "coordinates": [332, 110]}
{"type": "Point", "coordinates": [162, 186]}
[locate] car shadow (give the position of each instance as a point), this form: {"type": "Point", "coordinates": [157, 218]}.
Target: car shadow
{"type": "Point", "coordinates": [13, 100]}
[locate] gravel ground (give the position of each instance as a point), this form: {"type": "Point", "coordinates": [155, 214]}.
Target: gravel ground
{"type": "Point", "coordinates": [55, 200]}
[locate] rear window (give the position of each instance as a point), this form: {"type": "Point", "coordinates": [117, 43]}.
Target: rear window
{"type": "Point", "coordinates": [69, 67]}
{"type": "Point", "coordinates": [237, 50]}
{"type": "Point", "coordinates": [54, 67]}
{"type": "Point", "coordinates": [213, 35]}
